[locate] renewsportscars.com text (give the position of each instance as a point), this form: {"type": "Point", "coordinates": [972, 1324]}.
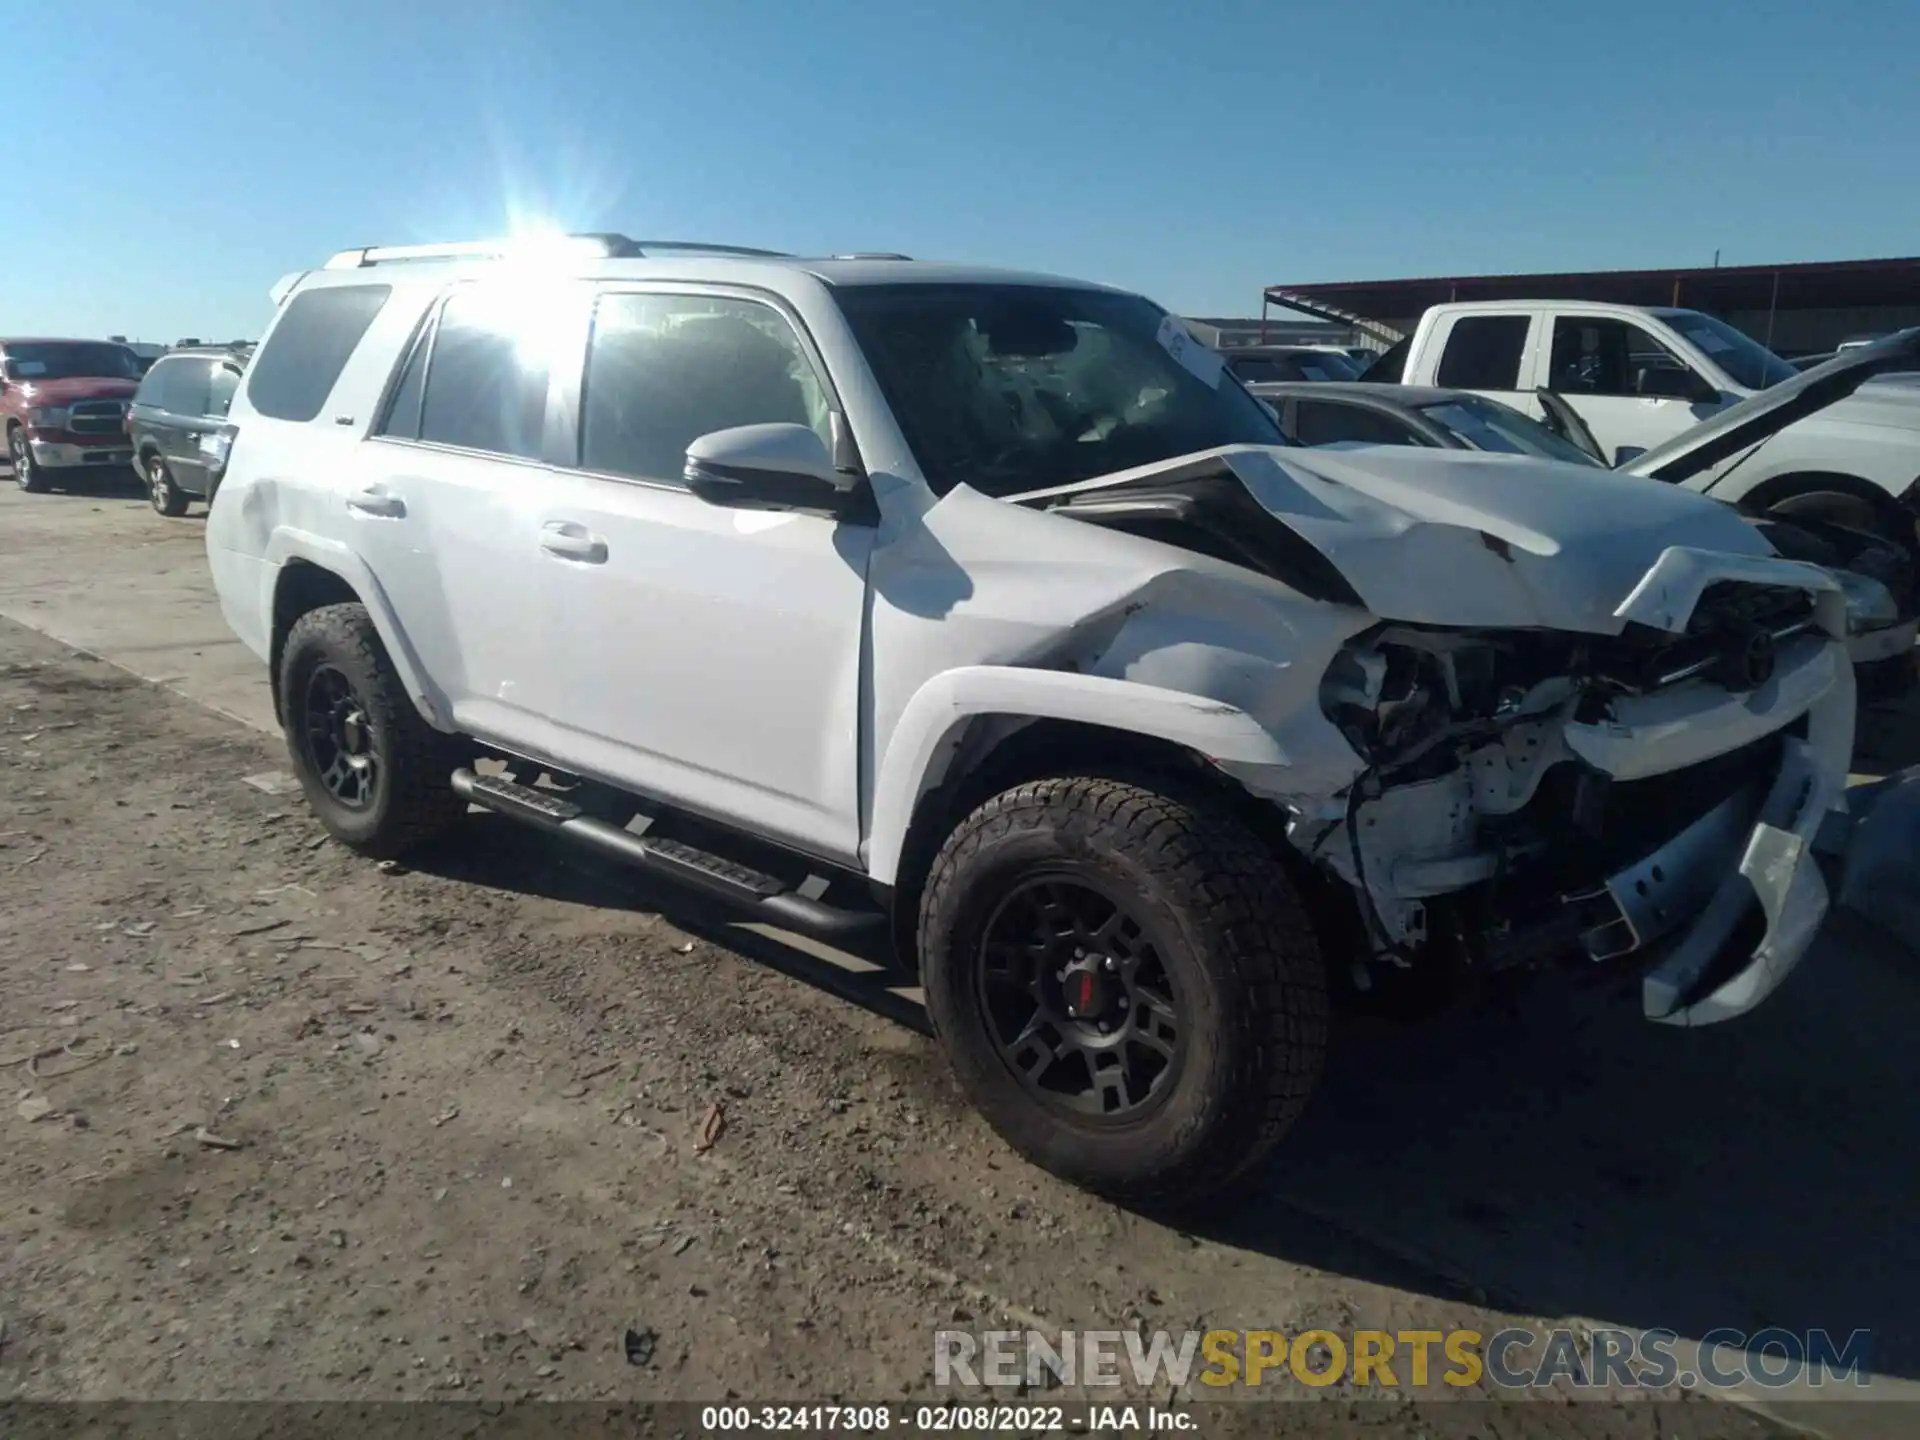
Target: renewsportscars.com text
{"type": "Point", "coordinates": [1517, 1358]}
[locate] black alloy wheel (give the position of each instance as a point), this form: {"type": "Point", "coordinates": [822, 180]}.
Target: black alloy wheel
{"type": "Point", "coordinates": [338, 738]}
{"type": "Point", "coordinates": [1081, 1007]}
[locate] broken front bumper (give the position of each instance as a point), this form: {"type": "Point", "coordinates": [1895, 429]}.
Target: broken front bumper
{"type": "Point", "coordinates": [1694, 894]}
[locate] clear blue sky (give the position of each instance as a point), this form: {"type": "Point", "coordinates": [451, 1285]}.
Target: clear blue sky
{"type": "Point", "coordinates": [170, 161]}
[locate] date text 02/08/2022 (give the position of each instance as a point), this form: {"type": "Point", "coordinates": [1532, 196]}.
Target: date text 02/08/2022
{"type": "Point", "coordinates": [942, 1419]}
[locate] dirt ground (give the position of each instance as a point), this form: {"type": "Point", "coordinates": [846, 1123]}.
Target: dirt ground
{"type": "Point", "coordinates": [284, 1123]}
{"type": "Point", "coordinates": [466, 1104]}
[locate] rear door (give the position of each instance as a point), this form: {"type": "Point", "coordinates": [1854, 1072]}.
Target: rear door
{"type": "Point", "coordinates": [166, 410]}
{"type": "Point", "coordinates": [190, 399]}
{"type": "Point", "coordinates": [447, 499]}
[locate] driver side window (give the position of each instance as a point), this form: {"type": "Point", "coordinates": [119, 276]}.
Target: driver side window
{"type": "Point", "coordinates": [663, 370]}
{"type": "Point", "coordinates": [1612, 357]}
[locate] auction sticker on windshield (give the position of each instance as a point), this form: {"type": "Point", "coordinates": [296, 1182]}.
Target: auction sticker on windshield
{"type": "Point", "coordinates": [1193, 356]}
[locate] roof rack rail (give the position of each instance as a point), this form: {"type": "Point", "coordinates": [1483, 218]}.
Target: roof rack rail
{"type": "Point", "coordinates": [699, 247]}
{"type": "Point", "coordinates": [871, 255]}
{"type": "Point", "coordinates": [592, 246]}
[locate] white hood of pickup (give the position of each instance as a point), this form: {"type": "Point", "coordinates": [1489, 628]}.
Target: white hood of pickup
{"type": "Point", "coordinates": [1470, 538]}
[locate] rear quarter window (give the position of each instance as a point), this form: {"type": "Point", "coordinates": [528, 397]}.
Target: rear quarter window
{"type": "Point", "coordinates": [153, 386]}
{"type": "Point", "coordinates": [296, 369]}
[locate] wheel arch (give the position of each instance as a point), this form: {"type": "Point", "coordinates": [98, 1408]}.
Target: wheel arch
{"type": "Point", "coordinates": [972, 733]}
{"type": "Point", "coordinates": [305, 581]}
{"type": "Point", "coordinates": [1796, 484]}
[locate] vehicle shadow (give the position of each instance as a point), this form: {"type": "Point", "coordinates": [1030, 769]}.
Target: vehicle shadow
{"type": "Point", "coordinates": [500, 854]}
{"type": "Point", "coordinates": [1887, 736]}
{"type": "Point", "coordinates": [104, 483]}
{"type": "Point", "coordinates": [1569, 1158]}
{"type": "Point", "coordinates": [1551, 1154]}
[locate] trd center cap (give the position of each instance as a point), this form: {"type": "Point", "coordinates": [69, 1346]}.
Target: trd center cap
{"type": "Point", "coordinates": [1085, 988]}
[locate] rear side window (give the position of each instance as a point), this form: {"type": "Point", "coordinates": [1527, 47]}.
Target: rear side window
{"type": "Point", "coordinates": [153, 386]}
{"type": "Point", "coordinates": [486, 381]}
{"type": "Point", "coordinates": [1483, 353]}
{"type": "Point", "coordinates": [179, 387]}
{"type": "Point", "coordinates": [1318, 422]}
{"type": "Point", "coordinates": [303, 357]}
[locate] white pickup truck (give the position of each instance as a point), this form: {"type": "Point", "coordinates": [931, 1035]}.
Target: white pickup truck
{"type": "Point", "coordinates": [1639, 377]}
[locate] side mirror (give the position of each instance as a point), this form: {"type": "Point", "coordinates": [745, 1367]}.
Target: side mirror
{"type": "Point", "coordinates": [1623, 453]}
{"type": "Point", "coordinates": [1667, 383]}
{"type": "Point", "coordinates": [765, 467]}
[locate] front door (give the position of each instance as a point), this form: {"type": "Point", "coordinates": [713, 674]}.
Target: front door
{"type": "Point", "coordinates": [1622, 382]}
{"type": "Point", "coordinates": [713, 654]}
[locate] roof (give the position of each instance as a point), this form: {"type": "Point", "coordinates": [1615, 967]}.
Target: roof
{"type": "Point", "coordinates": [617, 257]}
{"type": "Point", "coordinates": [60, 340]}
{"type": "Point", "coordinates": [931, 272]}
{"type": "Point", "coordinates": [1817, 284]}
{"type": "Point", "coordinates": [236, 348]}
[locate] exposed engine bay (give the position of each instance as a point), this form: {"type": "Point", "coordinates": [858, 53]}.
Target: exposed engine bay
{"type": "Point", "coordinates": [1479, 827]}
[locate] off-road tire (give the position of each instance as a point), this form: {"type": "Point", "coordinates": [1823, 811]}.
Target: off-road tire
{"type": "Point", "coordinates": [167, 498]}
{"type": "Point", "coordinates": [1217, 904]}
{"type": "Point", "coordinates": [26, 473]}
{"type": "Point", "coordinates": [413, 800]}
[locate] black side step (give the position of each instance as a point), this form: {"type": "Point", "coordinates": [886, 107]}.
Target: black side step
{"type": "Point", "coordinates": [771, 901]}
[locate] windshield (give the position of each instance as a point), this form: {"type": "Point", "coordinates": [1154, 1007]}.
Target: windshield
{"type": "Point", "coordinates": [1747, 362]}
{"type": "Point", "coordinates": [1489, 425]}
{"type": "Point", "coordinates": [71, 360]}
{"type": "Point", "coordinates": [1011, 388]}
{"type": "Point", "coordinates": [1294, 365]}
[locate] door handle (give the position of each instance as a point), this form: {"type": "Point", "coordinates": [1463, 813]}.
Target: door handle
{"type": "Point", "coordinates": [377, 501]}
{"type": "Point", "coordinates": [573, 542]}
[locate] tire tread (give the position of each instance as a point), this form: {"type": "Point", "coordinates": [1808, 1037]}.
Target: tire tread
{"type": "Point", "coordinates": [1234, 887]}
{"type": "Point", "coordinates": [422, 805]}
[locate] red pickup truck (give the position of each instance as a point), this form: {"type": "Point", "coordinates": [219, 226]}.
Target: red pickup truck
{"type": "Point", "coordinates": [64, 406]}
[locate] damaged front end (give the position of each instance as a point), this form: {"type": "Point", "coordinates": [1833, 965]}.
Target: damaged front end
{"type": "Point", "coordinates": [1532, 793]}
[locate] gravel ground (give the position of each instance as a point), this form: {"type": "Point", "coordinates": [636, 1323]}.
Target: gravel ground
{"type": "Point", "coordinates": [282, 1123]}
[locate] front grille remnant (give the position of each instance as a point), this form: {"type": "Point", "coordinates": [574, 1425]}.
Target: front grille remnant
{"type": "Point", "coordinates": [1735, 632]}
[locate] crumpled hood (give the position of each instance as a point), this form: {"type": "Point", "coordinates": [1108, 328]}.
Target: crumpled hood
{"type": "Point", "coordinates": [1869, 386]}
{"type": "Point", "coordinates": [1471, 538]}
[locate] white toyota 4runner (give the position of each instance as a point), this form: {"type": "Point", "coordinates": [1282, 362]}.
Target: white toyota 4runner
{"type": "Point", "coordinates": [986, 613]}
